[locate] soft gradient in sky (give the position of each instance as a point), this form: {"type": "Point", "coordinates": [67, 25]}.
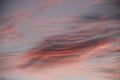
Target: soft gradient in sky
{"type": "Point", "coordinates": [60, 40]}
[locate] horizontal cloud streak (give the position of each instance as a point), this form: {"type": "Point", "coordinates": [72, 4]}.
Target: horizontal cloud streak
{"type": "Point", "coordinates": [90, 42]}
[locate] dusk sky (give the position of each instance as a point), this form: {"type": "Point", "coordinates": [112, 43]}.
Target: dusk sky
{"type": "Point", "coordinates": [59, 40]}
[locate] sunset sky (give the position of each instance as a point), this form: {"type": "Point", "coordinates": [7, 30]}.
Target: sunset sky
{"type": "Point", "coordinates": [59, 40]}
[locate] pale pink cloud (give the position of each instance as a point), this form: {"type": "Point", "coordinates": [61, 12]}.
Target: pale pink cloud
{"type": "Point", "coordinates": [37, 7]}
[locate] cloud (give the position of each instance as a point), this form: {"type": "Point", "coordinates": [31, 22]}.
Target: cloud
{"type": "Point", "coordinates": [95, 45]}
{"type": "Point", "coordinates": [36, 7]}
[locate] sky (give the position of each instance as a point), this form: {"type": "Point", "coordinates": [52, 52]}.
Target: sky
{"type": "Point", "coordinates": [59, 40]}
